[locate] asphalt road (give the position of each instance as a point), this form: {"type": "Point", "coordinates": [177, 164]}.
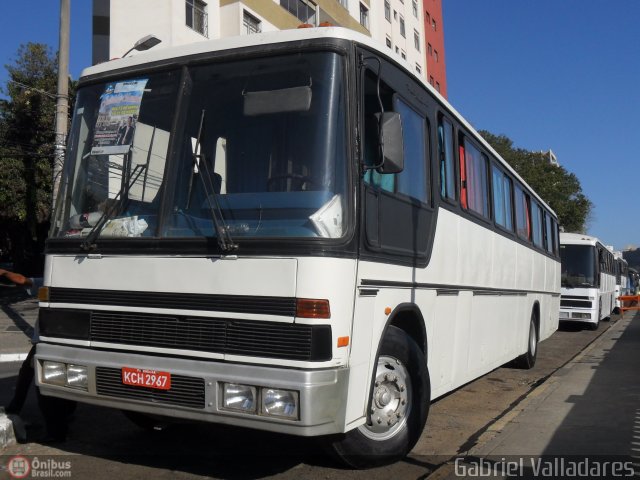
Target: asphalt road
{"type": "Point", "coordinates": [103, 444]}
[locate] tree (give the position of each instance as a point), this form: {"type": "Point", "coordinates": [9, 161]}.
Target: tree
{"type": "Point", "coordinates": [26, 154]}
{"type": "Point", "coordinates": [560, 189]}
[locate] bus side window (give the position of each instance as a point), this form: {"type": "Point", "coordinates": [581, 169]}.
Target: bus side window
{"type": "Point", "coordinates": [412, 181]}
{"type": "Point", "coordinates": [536, 224]}
{"type": "Point", "coordinates": [446, 159]}
{"type": "Point", "coordinates": [502, 199]}
{"type": "Point", "coordinates": [548, 233]}
{"type": "Point", "coordinates": [474, 179]}
{"type": "Point", "coordinates": [523, 219]}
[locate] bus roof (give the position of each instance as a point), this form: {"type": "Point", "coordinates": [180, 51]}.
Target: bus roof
{"type": "Point", "coordinates": [284, 36]}
{"type": "Point", "coordinates": [577, 239]}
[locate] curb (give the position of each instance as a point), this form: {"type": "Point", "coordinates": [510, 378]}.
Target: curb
{"type": "Point", "coordinates": [12, 357]}
{"type": "Point", "coordinates": [7, 435]}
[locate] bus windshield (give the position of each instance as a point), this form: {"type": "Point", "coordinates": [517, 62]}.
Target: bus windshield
{"type": "Point", "coordinates": [254, 148]}
{"type": "Point", "coordinates": [578, 266]}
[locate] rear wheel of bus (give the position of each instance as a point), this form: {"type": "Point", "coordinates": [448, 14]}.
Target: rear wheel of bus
{"type": "Point", "coordinates": [528, 360]}
{"type": "Point", "coordinates": [398, 406]}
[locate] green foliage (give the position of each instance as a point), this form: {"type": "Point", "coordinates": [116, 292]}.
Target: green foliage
{"type": "Point", "coordinates": [27, 138]}
{"type": "Point", "coordinates": [560, 189]}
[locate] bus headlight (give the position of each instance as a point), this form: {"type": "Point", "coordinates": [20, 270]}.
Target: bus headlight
{"type": "Point", "coordinates": [54, 373]}
{"type": "Point", "coordinates": [77, 376]}
{"type": "Point", "coordinates": [280, 403]}
{"type": "Point", "coordinates": [63, 375]}
{"type": "Point", "coordinates": [581, 315]}
{"type": "Point", "coordinates": [239, 397]}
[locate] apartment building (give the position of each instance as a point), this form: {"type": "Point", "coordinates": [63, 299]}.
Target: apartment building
{"type": "Point", "coordinates": [398, 24]}
{"type": "Point", "coordinates": [118, 24]}
{"type": "Point", "coordinates": [434, 42]}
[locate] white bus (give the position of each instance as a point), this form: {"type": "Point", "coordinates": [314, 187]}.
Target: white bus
{"type": "Point", "coordinates": [301, 236]}
{"type": "Point", "coordinates": [622, 280]}
{"type": "Point", "coordinates": [588, 279]}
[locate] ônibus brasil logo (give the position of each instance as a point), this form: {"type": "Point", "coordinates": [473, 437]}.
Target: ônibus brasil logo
{"type": "Point", "coordinates": [18, 467]}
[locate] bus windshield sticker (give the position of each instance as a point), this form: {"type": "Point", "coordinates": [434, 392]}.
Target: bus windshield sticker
{"type": "Point", "coordinates": [117, 117]}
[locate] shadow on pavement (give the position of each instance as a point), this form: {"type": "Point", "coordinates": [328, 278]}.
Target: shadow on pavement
{"type": "Point", "coordinates": [605, 418]}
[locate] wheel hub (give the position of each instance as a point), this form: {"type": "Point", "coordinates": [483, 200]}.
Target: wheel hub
{"type": "Point", "coordinates": [390, 402]}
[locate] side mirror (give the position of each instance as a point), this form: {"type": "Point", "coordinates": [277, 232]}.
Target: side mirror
{"type": "Point", "coordinates": [392, 142]}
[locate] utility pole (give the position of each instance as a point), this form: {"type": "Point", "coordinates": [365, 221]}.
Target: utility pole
{"type": "Point", "coordinates": [62, 98]}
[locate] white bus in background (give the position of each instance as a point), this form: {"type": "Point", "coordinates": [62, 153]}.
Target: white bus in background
{"type": "Point", "coordinates": [588, 279]}
{"type": "Point", "coordinates": [301, 237]}
{"type": "Point", "coordinates": [622, 279]}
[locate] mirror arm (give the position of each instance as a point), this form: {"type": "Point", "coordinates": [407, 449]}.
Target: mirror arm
{"type": "Point", "coordinates": [380, 137]}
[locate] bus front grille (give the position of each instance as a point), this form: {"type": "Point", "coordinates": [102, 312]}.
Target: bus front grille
{"type": "Point", "coordinates": [282, 340]}
{"type": "Point", "coordinates": [575, 303]}
{"type": "Point", "coordinates": [184, 391]}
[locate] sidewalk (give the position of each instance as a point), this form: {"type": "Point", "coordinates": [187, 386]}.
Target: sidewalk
{"type": "Point", "coordinates": [589, 409]}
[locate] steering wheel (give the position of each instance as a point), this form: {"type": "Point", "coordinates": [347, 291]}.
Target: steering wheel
{"type": "Point", "coordinates": [304, 180]}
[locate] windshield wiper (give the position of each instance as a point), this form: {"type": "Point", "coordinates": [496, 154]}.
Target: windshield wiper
{"type": "Point", "coordinates": [225, 241]}
{"type": "Point", "coordinates": [117, 204]}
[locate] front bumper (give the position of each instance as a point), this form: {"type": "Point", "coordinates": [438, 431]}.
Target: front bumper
{"type": "Point", "coordinates": [588, 316]}
{"type": "Point", "coordinates": [322, 393]}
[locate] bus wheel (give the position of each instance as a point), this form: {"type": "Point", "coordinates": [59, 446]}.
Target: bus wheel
{"type": "Point", "coordinates": [594, 326]}
{"type": "Point", "coordinates": [528, 360]}
{"type": "Point", "coordinates": [398, 406]}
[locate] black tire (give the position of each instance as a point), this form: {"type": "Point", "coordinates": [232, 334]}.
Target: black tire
{"type": "Point", "coordinates": [399, 405]}
{"type": "Point", "coordinates": [146, 422]}
{"type": "Point", "coordinates": [594, 326]}
{"type": "Point", "coordinates": [528, 360]}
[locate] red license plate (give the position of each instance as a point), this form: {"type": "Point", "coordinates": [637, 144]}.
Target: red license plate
{"type": "Point", "coordinates": [146, 378]}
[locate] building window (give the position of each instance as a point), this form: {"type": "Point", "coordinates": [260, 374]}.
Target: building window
{"type": "Point", "coordinates": [414, 5]}
{"type": "Point", "coordinates": [364, 16]}
{"type": "Point", "coordinates": [403, 54]}
{"type": "Point", "coordinates": [438, 86]}
{"type": "Point", "coordinates": [304, 10]}
{"type": "Point", "coordinates": [387, 11]}
{"type": "Point", "coordinates": [402, 30]}
{"type": "Point", "coordinates": [435, 55]}
{"type": "Point", "coordinates": [344, 3]}
{"type": "Point", "coordinates": [250, 24]}
{"type": "Point", "coordinates": [431, 80]}
{"type": "Point", "coordinates": [416, 40]}
{"type": "Point", "coordinates": [397, 50]}
{"type": "Point", "coordinates": [427, 17]}
{"type": "Point", "coordinates": [395, 14]}
{"type": "Point", "coordinates": [418, 68]}
{"type": "Point", "coordinates": [434, 24]}
{"type": "Point", "coordinates": [429, 49]}
{"type": "Point", "coordinates": [388, 42]}
{"type": "Point", "coordinates": [196, 16]}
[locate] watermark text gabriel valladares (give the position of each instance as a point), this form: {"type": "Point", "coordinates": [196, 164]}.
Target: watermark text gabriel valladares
{"type": "Point", "coordinates": [543, 467]}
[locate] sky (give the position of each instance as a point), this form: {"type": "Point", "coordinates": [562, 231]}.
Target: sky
{"type": "Point", "coordinates": [551, 74]}
{"type": "Point", "coordinates": [561, 75]}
